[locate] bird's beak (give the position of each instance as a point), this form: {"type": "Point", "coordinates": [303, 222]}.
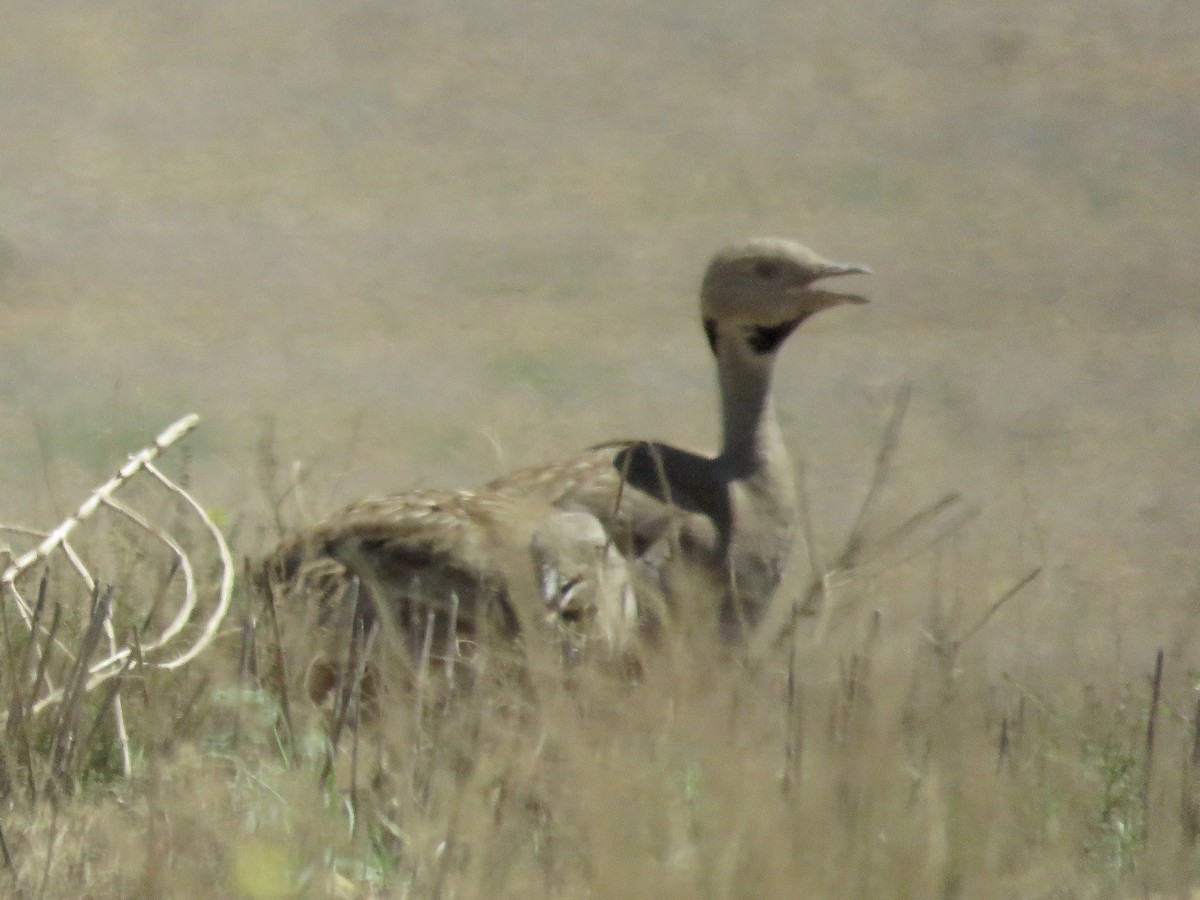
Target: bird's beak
{"type": "Point", "coordinates": [820, 299]}
{"type": "Point", "coordinates": [817, 299]}
{"type": "Point", "coordinates": [830, 269]}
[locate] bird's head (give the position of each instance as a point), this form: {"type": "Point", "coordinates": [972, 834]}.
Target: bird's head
{"type": "Point", "coordinates": [766, 287]}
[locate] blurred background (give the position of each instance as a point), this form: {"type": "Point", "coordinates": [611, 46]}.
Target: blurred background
{"type": "Point", "coordinates": [418, 243]}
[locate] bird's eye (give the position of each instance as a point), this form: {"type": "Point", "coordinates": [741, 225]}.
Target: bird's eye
{"type": "Point", "coordinates": [766, 268]}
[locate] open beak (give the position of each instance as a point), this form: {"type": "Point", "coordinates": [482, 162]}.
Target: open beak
{"type": "Point", "coordinates": [820, 299]}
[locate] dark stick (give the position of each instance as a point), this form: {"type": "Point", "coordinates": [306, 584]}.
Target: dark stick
{"type": "Point", "coordinates": [1151, 721]}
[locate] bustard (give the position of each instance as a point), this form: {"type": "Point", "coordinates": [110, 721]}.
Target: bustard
{"type": "Point", "coordinates": [727, 518]}
{"type": "Point", "coordinates": [462, 560]}
{"type": "Point", "coordinates": [457, 569]}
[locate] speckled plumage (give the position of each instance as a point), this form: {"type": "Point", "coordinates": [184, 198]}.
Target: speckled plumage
{"type": "Point", "coordinates": [499, 565]}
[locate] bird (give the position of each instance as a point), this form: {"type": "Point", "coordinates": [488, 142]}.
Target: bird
{"type": "Point", "coordinates": [723, 524]}
{"type": "Point", "coordinates": [456, 567]}
{"type": "Point", "coordinates": [455, 571]}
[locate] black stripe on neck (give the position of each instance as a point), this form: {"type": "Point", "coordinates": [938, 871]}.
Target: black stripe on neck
{"type": "Point", "coordinates": [710, 332]}
{"type": "Point", "coordinates": [764, 339]}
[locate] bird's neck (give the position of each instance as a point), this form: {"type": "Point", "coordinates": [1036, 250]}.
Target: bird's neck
{"type": "Point", "coordinates": [762, 491]}
{"type": "Point", "coordinates": [752, 442]}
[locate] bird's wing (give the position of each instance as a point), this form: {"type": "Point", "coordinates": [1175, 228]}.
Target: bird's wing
{"type": "Point", "coordinates": [642, 492]}
{"type": "Point", "coordinates": [420, 534]}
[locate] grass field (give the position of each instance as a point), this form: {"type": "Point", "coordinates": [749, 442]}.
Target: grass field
{"type": "Point", "coordinates": [418, 244]}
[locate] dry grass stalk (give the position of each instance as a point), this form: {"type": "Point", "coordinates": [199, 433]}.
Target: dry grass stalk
{"type": "Point", "coordinates": [58, 537]}
{"type": "Point", "coordinates": [169, 649]}
{"type": "Point", "coordinates": [1156, 681]}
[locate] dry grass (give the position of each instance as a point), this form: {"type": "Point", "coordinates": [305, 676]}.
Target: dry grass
{"type": "Point", "coordinates": [904, 779]}
{"type": "Point", "coordinates": [878, 748]}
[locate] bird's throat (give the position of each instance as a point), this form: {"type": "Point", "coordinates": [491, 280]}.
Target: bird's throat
{"type": "Point", "coordinates": [751, 437]}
